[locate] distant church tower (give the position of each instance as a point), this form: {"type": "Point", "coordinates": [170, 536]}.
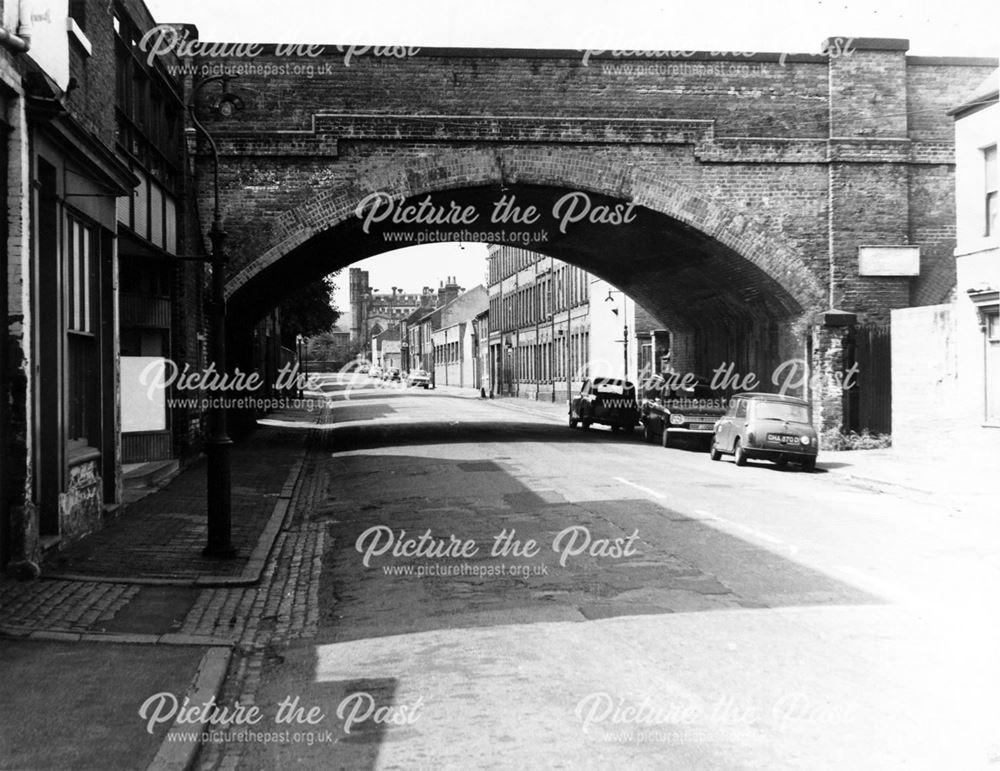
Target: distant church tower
{"type": "Point", "coordinates": [357, 289]}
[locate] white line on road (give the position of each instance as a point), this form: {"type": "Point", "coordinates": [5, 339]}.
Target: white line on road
{"type": "Point", "coordinates": [874, 584]}
{"type": "Point", "coordinates": [747, 529]}
{"type": "Point", "coordinates": [654, 493]}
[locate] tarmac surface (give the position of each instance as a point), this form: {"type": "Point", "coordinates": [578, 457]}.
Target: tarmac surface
{"type": "Point", "coordinates": [134, 610]}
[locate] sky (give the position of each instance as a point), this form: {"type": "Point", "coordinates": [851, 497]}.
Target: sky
{"type": "Point", "coordinates": [933, 27]}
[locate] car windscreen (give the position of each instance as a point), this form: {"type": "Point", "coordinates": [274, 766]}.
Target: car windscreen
{"type": "Point", "coordinates": [696, 395]}
{"type": "Point", "coordinates": [606, 393]}
{"type": "Point", "coordinates": [795, 413]}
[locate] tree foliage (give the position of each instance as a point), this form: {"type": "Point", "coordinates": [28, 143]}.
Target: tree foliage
{"type": "Point", "coordinates": [309, 311]}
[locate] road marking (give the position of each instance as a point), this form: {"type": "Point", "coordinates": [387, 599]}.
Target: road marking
{"type": "Point", "coordinates": [654, 493]}
{"type": "Point", "coordinates": [746, 529]}
{"type": "Point", "coordinates": [875, 584]}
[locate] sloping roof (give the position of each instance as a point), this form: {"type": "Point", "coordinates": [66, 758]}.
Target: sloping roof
{"type": "Point", "coordinates": [985, 94]}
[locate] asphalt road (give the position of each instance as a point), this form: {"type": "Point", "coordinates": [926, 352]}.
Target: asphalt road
{"type": "Point", "coordinates": [500, 591]}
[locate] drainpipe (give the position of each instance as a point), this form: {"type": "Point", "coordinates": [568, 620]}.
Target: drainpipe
{"type": "Point", "coordinates": [21, 42]}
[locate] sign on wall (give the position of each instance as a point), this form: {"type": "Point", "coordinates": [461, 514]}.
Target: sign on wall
{"type": "Point", "coordinates": [49, 41]}
{"type": "Point", "coordinates": [143, 408]}
{"type": "Point", "coordinates": [888, 260]}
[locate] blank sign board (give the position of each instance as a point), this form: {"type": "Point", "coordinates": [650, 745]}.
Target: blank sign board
{"type": "Point", "coordinates": [889, 260]}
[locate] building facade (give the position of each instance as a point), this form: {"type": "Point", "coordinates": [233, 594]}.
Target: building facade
{"type": "Point", "coordinates": [552, 325]}
{"type": "Point", "coordinates": [454, 340]}
{"type": "Point", "coordinates": [93, 291]}
{"type": "Point", "coordinates": [946, 357]}
{"type": "Point", "coordinates": [977, 256]}
{"type": "Point", "coordinates": [373, 312]}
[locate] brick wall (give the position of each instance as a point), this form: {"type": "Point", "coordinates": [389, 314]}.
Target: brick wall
{"type": "Point", "coordinates": [753, 176]}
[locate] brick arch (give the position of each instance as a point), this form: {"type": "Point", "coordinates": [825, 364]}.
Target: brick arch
{"type": "Point", "coordinates": [464, 168]}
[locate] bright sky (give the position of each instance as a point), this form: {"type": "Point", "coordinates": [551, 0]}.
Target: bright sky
{"type": "Point", "coordinates": [933, 27]}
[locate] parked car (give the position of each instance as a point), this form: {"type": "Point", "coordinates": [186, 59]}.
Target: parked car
{"type": "Point", "coordinates": [393, 375]}
{"type": "Point", "coordinates": [672, 410]}
{"type": "Point", "coordinates": [418, 377]}
{"type": "Point", "coordinates": [609, 401]}
{"type": "Point", "coordinates": [766, 426]}
{"type": "Point", "coordinates": [375, 372]}
{"type": "Point", "coordinates": [364, 367]}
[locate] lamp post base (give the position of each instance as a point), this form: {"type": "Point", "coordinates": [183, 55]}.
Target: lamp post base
{"type": "Point", "coordinates": [219, 545]}
{"type": "Point", "coordinates": [220, 553]}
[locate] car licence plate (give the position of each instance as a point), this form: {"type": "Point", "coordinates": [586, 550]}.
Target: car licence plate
{"type": "Point", "coordinates": [782, 439]}
{"type": "Point", "coordinates": [701, 426]}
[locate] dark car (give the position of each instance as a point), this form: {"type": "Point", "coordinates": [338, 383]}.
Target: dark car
{"type": "Point", "coordinates": [609, 401]}
{"type": "Point", "coordinates": [686, 409]}
{"type": "Point", "coordinates": [766, 426]}
{"type": "Point", "coordinates": [393, 375]}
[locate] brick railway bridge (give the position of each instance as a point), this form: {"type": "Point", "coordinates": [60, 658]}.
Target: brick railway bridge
{"type": "Point", "coordinates": [746, 184]}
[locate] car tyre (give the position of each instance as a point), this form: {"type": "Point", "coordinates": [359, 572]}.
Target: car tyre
{"type": "Point", "coordinates": [647, 435]}
{"type": "Point", "coordinates": [809, 464]}
{"type": "Point", "coordinates": [585, 424]}
{"type": "Point", "coordinates": [714, 452]}
{"type": "Point", "coordinates": [665, 437]}
{"type": "Point", "coordinates": [614, 429]}
{"type": "Point", "coordinates": [739, 454]}
{"type": "Point", "coordinates": [627, 429]}
{"type": "Point", "coordinates": [572, 422]}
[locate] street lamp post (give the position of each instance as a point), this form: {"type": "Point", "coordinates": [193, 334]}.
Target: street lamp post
{"type": "Point", "coordinates": [609, 298]}
{"type": "Point", "coordinates": [219, 542]}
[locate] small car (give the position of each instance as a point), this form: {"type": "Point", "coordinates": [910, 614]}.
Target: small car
{"type": "Point", "coordinates": [609, 401]}
{"type": "Point", "coordinates": [418, 377]}
{"type": "Point", "coordinates": [769, 427]}
{"type": "Point", "coordinates": [375, 372]}
{"type": "Point", "coordinates": [680, 409]}
{"type": "Point", "coordinates": [393, 375]}
{"type": "Point", "coordinates": [363, 367]}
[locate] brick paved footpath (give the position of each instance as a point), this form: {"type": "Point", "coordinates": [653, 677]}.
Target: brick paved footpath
{"type": "Point", "coordinates": [162, 535]}
{"type": "Point", "coordinates": [256, 621]}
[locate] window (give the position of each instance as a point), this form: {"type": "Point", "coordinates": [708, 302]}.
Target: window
{"type": "Point", "coordinates": [81, 278]}
{"type": "Point", "coordinates": [992, 378]}
{"type": "Point", "coordinates": [78, 13]}
{"type": "Point", "coordinates": [82, 345]}
{"type": "Point", "coordinates": [990, 163]}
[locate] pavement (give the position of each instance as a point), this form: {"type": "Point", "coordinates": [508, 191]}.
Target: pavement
{"type": "Point", "coordinates": [135, 613]}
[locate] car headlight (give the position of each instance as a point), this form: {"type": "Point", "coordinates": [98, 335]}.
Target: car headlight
{"type": "Point", "coordinates": [677, 420]}
{"type": "Point", "coordinates": [804, 440]}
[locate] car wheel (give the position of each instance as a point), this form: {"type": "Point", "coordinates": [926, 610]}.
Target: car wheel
{"type": "Point", "coordinates": [585, 424]}
{"type": "Point", "coordinates": [713, 451]}
{"type": "Point", "coordinates": [665, 437]}
{"type": "Point", "coordinates": [739, 454]}
{"type": "Point", "coordinates": [614, 429]}
{"type": "Point", "coordinates": [628, 429]}
{"type": "Point", "coordinates": [647, 435]}
{"type": "Point", "coordinates": [781, 462]}
{"type": "Point", "coordinates": [809, 464]}
{"type": "Point", "coordinates": [572, 422]}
